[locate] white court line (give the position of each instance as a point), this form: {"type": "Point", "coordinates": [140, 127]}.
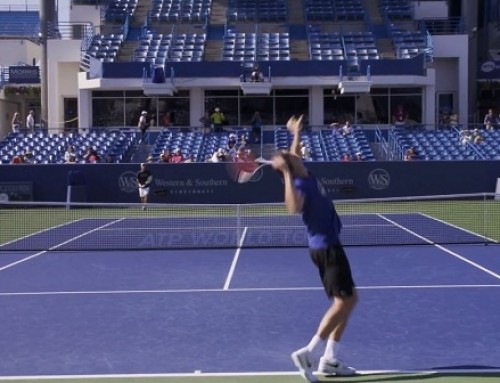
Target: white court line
{"type": "Point", "coordinates": [57, 246]}
{"type": "Point", "coordinates": [234, 227]}
{"type": "Point", "coordinates": [458, 227]}
{"type": "Point", "coordinates": [476, 265]}
{"type": "Point", "coordinates": [41, 231]}
{"type": "Point", "coordinates": [235, 260]}
{"type": "Point", "coordinates": [244, 374]}
{"type": "Point", "coordinates": [239, 290]}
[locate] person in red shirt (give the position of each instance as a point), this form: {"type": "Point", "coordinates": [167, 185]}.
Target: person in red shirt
{"type": "Point", "coordinates": [177, 157]}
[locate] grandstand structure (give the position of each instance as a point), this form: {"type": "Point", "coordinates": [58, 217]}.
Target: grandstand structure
{"type": "Point", "coordinates": [372, 63]}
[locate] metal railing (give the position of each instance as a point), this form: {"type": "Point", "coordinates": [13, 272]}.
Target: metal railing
{"type": "Point", "coordinates": [444, 26]}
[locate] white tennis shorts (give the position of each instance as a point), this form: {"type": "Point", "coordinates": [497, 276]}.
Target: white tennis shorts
{"type": "Point", "coordinates": [143, 192]}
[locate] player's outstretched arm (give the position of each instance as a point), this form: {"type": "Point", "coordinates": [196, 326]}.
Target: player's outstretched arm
{"type": "Point", "coordinates": [294, 126]}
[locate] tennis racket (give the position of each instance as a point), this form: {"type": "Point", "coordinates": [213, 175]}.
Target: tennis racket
{"type": "Point", "coordinates": [243, 171]}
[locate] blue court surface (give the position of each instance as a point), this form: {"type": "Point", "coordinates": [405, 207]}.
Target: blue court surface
{"type": "Point", "coordinates": [242, 309]}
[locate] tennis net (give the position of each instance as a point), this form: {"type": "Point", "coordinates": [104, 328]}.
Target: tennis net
{"type": "Point", "coordinates": [459, 219]}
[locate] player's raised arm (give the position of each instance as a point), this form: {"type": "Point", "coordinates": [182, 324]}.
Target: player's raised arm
{"type": "Point", "coordinates": [294, 126]}
{"type": "Point", "coordinates": [294, 201]}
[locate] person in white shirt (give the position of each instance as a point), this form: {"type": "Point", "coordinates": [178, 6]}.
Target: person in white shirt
{"type": "Point", "coordinates": [30, 121]}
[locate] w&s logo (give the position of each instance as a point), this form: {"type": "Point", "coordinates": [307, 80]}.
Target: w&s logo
{"type": "Point", "coordinates": [379, 179]}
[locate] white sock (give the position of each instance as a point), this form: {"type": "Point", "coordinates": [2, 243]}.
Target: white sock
{"type": "Point", "coordinates": [314, 343]}
{"type": "Point", "coordinates": [331, 350]}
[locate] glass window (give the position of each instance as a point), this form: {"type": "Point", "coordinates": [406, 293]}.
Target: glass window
{"type": "Point", "coordinates": [291, 92]}
{"type": "Point", "coordinates": [288, 106]}
{"type": "Point", "coordinates": [173, 111]}
{"type": "Point", "coordinates": [406, 109]}
{"type": "Point", "coordinates": [134, 107]}
{"type": "Point", "coordinates": [107, 111]}
{"type": "Point", "coordinates": [339, 109]}
{"type": "Point", "coordinates": [107, 93]}
{"type": "Point", "coordinates": [250, 105]}
{"type": "Point", "coordinates": [372, 109]}
{"type": "Point", "coordinates": [227, 105]}
{"type": "Point", "coordinates": [222, 93]}
{"type": "Point", "coordinates": [406, 90]}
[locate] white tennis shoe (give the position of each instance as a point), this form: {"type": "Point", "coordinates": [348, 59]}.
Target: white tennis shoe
{"type": "Point", "coordinates": [334, 367]}
{"type": "Point", "coordinates": [304, 362]}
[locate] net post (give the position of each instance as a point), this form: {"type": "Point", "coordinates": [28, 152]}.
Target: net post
{"type": "Point", "coordinates": [238, 224]}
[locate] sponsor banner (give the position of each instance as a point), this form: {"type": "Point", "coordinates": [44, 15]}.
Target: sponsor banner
{"type": "Point", "coordinates": [16, 191]}
{"type": "Point", "coordinates": [489, 70]}
{"type": "Point", "coordinates": [24, 75]}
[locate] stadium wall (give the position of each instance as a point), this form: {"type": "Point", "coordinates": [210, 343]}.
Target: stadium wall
{"type": "Point", "coordinates": [210, 183]}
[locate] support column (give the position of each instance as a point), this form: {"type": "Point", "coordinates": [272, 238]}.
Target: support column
{"type": "Point", "coordinates": [84, 109]}
{"type": "Point", "coordinates": [316, 106]}
{"type": "Point", "coordinates": [47, 22]}
{"type": "Point", "coordinates": [196, 106]}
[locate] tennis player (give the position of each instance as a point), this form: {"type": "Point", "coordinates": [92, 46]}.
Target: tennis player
{"type": "Point", "coordinates": [304, 194]}
{"type": "Point", "coordinates": [144, 179]}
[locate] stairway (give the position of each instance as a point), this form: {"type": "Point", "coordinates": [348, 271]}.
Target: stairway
{"type": "Point", "coordinates": [372, 9]}
{"type": "Point", "coordinates": [268, 150]}
{"type": "Point", "coordinates": [141, 13]}
{"type": "Point", "coordinates": [218, 14]}
{"type": "Point", "coordinates": [295, 11]}
{"type": "Point", "coordinates": [385, 49]}
{"type": "Point", "coordinates": [213, 50]}
{"type": "Point", "coordinates": [126, 52]}
{"type": "Point", "coordinates": [299, 50]}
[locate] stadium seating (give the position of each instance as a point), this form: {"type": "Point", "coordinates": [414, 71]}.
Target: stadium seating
{"type": "Point", "coordinates": [396, 9]}
{"type": "Point", "coordinates": [433, 145]}
{"type": "Point", "coordinates": [335, 46]}
{"type": "Point", "coordinates": [180, 10]}
{"type": "Point", "coordinates": [189, 143]}
{"type": "Point", "coordinates": [256, 10]}
{"type": "Point", "coordinates": [349, 10]}
{"type": "Point", "coordinates": [158, 48]}
{"type": "Point", "coordinates": [50, 148]}
{"type": "Point", "coordinates": [118, 10]}
{"type": "Point", "coordinates": [214, 141]}
{"type": "Point", "coordinates": [328, 145]}
{"type": "Point", "coordinates": [408, 43]}
{"type": "Point", "coordinates": [250, 47]}
{"type": "Point", "coordinates": [319, 10]}
{"type": "Point", "coordinates": [105, 47]}
{"type": "Point", "coordinates": [19, 23]}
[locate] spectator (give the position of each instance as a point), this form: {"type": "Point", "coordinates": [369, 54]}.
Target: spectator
{"type": "Point", "coordinates": [490, 119]}
{"type": "Point", "coordinates": [233, 139]}
{"type": "Point", "coordinates": [16, 122]}
{"type": "Point", "coordinates": [243, 141]}
{"type": "Point", "coordinates": [206, 122]}
{"type": "Point", "coordinates": [71, 160]}
{"type": "Point", "coordinates": [411, 154]}
{"type": "Point", "coordinates": [177, 157]}
{"type": "Point", "coordinates": [144, 180]}
{"type": "Point", "coordinates": [28, 157]}
{"type": "Point", "coordinates": [143, 124]}
{"type": "Point", "coordinates": [218, 119]}
{"type": "Point", "coordinates": [358, 157]}
{"type": "Point", "coordinates": [304, 151]}
{"type": "Point", "coordinates": [347, 129]}
{"type": "Point", "coordinates": [91, 156]}
{"type": "Point", "coordinates": [346, 158]}
{"type": "Point", "coordinates": [69, 154]}
{"type": "Point", "coordinates": [168, 118]}
{"type": "Point", "coordinates": [30, 121]}
{"type": "Point", "coordinates": [166, 156]}
{"type": "Point", "coordinates": [17, 160]}
{"type": "Point", "coordinates": [190, 159]}
{"type": "Point", "coordinates": [477, 137]}
{"type": "Point", "coordinates": [219, 156]}
{"type": "Point", "coordinates": [256, 127]}
{"type": "Point", "coordinates": [454, 120]}
{"type": "Point", "coordinates": [257, 75]}
{"type": "Point", "coordinates": [400, 116]}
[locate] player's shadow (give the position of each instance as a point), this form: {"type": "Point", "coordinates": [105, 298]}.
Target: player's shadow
{"type": "Point", "coordinates": [437, 372]}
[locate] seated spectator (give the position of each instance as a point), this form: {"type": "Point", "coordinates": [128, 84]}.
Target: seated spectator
{"type": "Point", "coordinates": [177, 157]}
{"type": "Point", "coordinates": [257, 75]}
{"type": "Point", "coordinates": [190, 159]}
{"type": "Point", "coordinates": [454, 120]}
{"type": "Point", "coordinates": [28, 157]}
{"type": "Point", "coordinates": [71, 160]}
{"type": "Point", "coordinates": [243, 141]}
{"type": "Point", "coordinates": [347, 128]}
{"type": "Point", "coordinates": [304, 151]}
{"type": "Point", "coordinates": [346, 158]}
{"type": "Point", "coordinates": [358, 157]}
{"type": "Point", "coordinates": [478, 139]}
{"type": "Point", "coordinates": [166, 156]}
{"type": "Point", "coordinates": [411, 154]}
{"type": "Point", "coordinates": [150, 159]}
{"type": "Point", "coordinates": [232, 141]}
{"type": "Point", "coordinates": [219, 156]}
{"type": "Point", "coordinates": [17, 160]}
{"type": "Point", "coordinates": [70, 153]}
{"type": "Point", "coordinates": [466, 137]}
{"type": "Point", "coordinates": [91, 156]}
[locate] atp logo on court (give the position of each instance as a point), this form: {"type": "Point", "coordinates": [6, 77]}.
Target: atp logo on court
{"type": "Point", "coordinates": [127, 182]}
{"type": "Point", "coordinates": [379, 179]}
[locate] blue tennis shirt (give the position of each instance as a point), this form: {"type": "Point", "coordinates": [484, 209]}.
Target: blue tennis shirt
{"type": "Point", "coordinates": [319, 214]}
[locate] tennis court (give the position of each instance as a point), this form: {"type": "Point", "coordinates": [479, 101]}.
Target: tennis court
{"type": "Point", "coordinates": [225, 293]}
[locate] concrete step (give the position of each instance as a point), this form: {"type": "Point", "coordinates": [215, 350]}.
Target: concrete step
{"type": "Point", "coordinates": [141, 12]}
{"type": "Point", "coordinates": [373, 10]}
{"type": "Point", "coordinates": [299, 50]}
{"type": "Point", "coordinates": [213, 50]}
{"type": "Point", "coordinates": [218, 14]}
{"type": "Point", "coordinates": [385, 48]}
{"type": "Point", "coordinates": [295, 12]}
